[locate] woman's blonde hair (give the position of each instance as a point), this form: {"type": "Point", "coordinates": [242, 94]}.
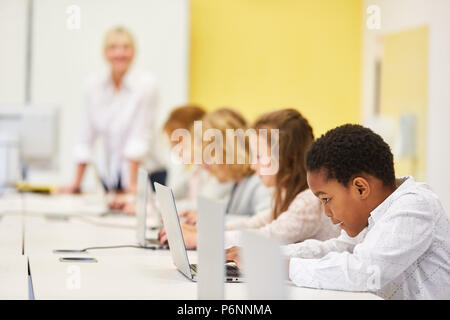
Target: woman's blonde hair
{"type": "Point", "coordinates": [118, 30]}
{"type": "Point", "coordinates": [222, 120]}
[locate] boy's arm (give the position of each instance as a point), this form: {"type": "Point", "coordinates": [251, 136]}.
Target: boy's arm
{"type": "Point", "coordinates": [389, 248]}
{"type": "Point", "coordinates": [315, 249]}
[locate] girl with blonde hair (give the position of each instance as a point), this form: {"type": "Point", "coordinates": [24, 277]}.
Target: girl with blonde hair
{"type": "Point", "coordinates": [248, 196]}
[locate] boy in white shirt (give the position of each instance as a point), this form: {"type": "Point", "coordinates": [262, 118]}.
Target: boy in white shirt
{"type": "Point", "coordinates": [396, 236]}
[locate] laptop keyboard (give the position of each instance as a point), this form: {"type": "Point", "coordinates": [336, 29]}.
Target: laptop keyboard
{"type": "Point", "coordinates": [231, 271]}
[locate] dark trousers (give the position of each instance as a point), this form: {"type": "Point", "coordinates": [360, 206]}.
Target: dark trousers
{"type": "Point", "coordinates": [159, 176]}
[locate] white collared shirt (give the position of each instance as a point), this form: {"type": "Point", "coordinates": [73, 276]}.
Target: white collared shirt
{"type": "Point", "coordinates": [404, 253]}
{"type": "Point", "coordinates": [123, 119]}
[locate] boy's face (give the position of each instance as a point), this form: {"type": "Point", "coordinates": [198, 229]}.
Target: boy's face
{"type": "Point", "coordinates": [344, 205]}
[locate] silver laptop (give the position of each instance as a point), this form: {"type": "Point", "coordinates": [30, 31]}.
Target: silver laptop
{"type": "Point", "coordinates": [143, 196]}
{"type": "Point", "coordinates": [178, 251]}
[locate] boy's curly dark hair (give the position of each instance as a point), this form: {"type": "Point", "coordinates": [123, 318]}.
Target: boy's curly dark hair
{"type": "Point", "coordinates": [350, 150]}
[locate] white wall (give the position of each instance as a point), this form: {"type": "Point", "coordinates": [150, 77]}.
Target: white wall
{"type": "Point", "coordinates": [64, 57]}
{"type": "Point", "coordinates": [399, 15]}
{"type": "Point", "coordinates": [12, 51]}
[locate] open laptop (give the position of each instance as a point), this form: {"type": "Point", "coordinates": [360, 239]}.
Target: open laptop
{"type": "Point", "coordinates": [178, 251]}
{"type": "Point", "coordinates": [143, 195]}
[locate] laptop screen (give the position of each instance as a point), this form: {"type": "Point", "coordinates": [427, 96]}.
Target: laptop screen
{"type": "Point", "coordinates": [169, 213]}
{"type": "Point", "coordinates": [141, 205]}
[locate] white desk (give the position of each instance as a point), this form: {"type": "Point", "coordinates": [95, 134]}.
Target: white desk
{"type": "Point", "coordinates": [11, 203]}
{"type": "Point", "coordinates": [64, 204]}
{"type": "Point", "coordinates": [151, 276]}
{"type": "Point", "coordinates": [43, 235]}
{"type": "Point", "coordinates": [11, 234]}
{"type": "Point", "coordinates": [13, 277]}
{"type": "Point", "coordinates": [13, 265]}
{"type": "Point", "coordinates": [126, 273]}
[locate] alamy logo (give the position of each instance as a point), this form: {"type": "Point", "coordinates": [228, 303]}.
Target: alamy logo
{"type": "Point", "coordinates": [373, 282]}
{"type": "Point", "coordinates": [236, 146]}
{"type": "Point", "coordinates": [73, 21]}
{"type": "Point", "coordinates": [73, 281]}
{"type": "Point", "coordinates": [374, 17]}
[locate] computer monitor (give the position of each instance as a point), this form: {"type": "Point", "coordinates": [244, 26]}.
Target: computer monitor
{"type": "Point", "coordinates": [28, 139]}
{"type": "Point", "coordinates": [37, 129]}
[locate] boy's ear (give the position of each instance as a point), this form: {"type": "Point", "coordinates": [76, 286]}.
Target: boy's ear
{"type": "Point", "coordinates": [362, 187]}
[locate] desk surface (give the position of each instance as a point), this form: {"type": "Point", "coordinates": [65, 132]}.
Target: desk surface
{"type": "Point", "coordinates": [64, 204]}
{"type": "Point", "coordinates": [13, 277]}
{"type": "Point", "coordinates": [43, 235]}
{"type": "Point", "coordinates": [125, 273]}
{"type": "Point", "coordinates": [11, 234]}
{"type": "Point", "coordinates": [150, 276]}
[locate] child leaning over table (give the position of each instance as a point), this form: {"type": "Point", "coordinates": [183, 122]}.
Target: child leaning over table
{"type": "Point", "coordinates": [396, 236]}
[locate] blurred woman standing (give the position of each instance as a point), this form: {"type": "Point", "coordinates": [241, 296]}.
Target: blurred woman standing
{"type": "Point", "coordinates": [120, 108]}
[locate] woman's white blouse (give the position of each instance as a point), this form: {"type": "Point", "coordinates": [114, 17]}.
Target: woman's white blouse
{"type": "Point", "coordinates": [123, 119]}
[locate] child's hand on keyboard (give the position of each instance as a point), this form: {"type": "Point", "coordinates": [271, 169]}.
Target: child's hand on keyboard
{"type": "Point", "coordinates": [234, 254]}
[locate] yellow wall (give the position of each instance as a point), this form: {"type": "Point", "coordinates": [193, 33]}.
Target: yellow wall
{"type": "Point", "coordinates": [404, 90]}
{"type": "Point", "coordinates": [260, 55]}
